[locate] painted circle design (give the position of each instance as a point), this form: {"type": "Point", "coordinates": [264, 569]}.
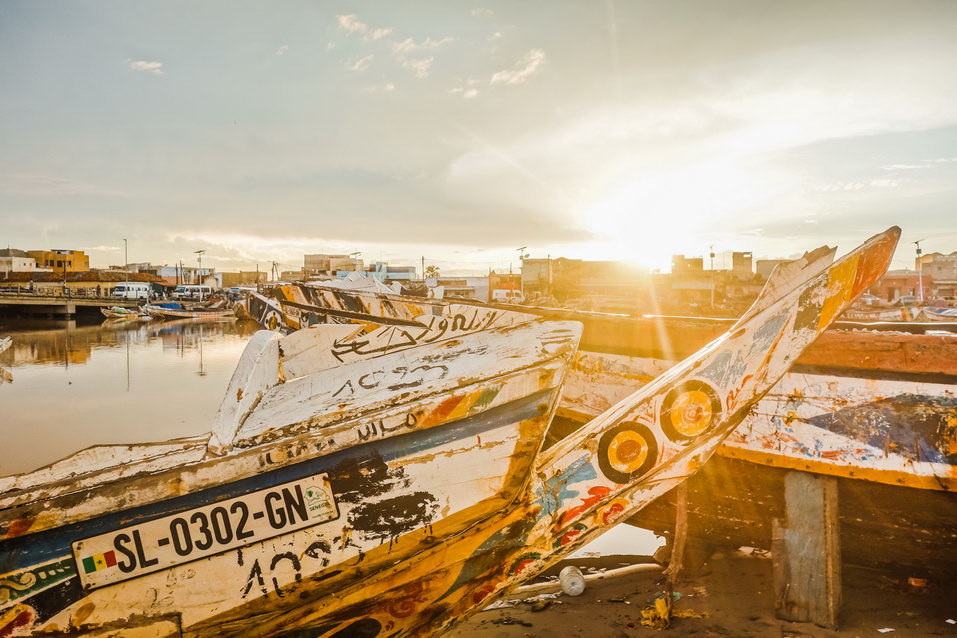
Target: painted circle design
{"type": "Point", "coordinates": [626, 452]}
{"type": "Point", "coordinates": [689, 411]}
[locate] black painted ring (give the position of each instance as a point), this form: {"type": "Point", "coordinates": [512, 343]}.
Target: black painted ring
{"type": "Point", "coordinates": [605, 462]}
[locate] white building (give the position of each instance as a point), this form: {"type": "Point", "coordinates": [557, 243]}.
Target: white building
{"type": "Point", "coordinates": [13, 260]}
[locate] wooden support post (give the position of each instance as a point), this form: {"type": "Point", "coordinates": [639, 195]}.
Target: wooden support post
{"type": "Point", "coordinates": [807, 551]}
{"type": "Point", "coordinates": [676, 563]}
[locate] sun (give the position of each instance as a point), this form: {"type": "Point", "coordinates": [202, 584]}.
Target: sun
{"type": "Point", "coordinates": [651, 217]}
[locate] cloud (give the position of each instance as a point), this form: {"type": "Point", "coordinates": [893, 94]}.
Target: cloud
{"type": "Point", "coordinates": [361, 64]}
{"type": "Point", "coordinates": [351, 24]}
{"type": "Point", "coordinates": [904, 167]}
{"type": "Point", "coordinates": [466, 93]}
{"type": "Point", "coordinates": [408, 45]}
{"type": "Point", "coordinates": [388, 87]}
{"type": "Point", "coordinates": [530, 64]}
{"type": "Point", "coordinates": [282, 49]}
{"type": "Point", "coordinates": [482, 12]}
{"type": "Point", "coordinates": [419, 66]}
{"type": "Point", "coordinates": [33, 184]}
{"type": "Point", "coordinates": [156, 68]}
{"type": "Point", "coordinates": [105, 249]}
{"type": "Point", "coordinates": [330, 46]}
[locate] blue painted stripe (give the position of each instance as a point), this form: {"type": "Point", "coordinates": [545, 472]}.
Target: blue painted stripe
{"type": "Point", "coordinates": [33, 549]}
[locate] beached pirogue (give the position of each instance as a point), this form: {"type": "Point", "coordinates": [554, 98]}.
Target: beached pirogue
{"type": "Point", "coordinates": [365, 480]}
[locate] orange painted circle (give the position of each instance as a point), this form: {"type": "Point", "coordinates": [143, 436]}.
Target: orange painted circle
{"type": "Point", "coordinates": [691, 413]}
{"type": "Point", "coordinates": [627, 451]}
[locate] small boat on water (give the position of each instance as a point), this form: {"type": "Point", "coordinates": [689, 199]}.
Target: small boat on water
{"type": "Point", "coordinates": [5, 375]}
{"type": "Point", "coordinates": [178, 311]}
{"type": "Point", "coordinates": [940, 314]}
{"type": "Point", "coordinates": [904, 313]}
{"type": "Point", "coordinates": [390, 479]}
{"type": "Point", "coordinates": [121, 313]}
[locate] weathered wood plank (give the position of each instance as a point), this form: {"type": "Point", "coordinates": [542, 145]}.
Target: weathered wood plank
{"type": "Point", "coordinates": [899, 530]}
{"type": "Point", "coordinates": [808, 565]}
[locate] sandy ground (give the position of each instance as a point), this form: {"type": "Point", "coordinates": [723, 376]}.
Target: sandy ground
{"type": "Point", "coordinates": [734, 593]}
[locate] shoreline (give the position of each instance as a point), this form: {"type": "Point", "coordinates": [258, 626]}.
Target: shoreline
{"type": "Point", "coordinates": [734, 594]}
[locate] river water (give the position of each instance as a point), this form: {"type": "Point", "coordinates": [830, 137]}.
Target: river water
{"type": "Point", "coordinates": [77, 385]}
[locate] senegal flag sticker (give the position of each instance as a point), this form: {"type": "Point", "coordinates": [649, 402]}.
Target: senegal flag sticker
{"type": "Point", "coordinates": [96, 562]}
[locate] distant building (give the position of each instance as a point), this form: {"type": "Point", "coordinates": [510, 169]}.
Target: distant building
{"type": "Point", "coordinates": [938, 265]}
{"type": "Point", "coordinates": [292, 275]}
{"type": "Point", "coordinates": [943, 270]}
{"type": "Point", "coordinates": [609, 286]}
{"type": "Point", "coordinates": [902, 283]}
{"type": "Point", "coordinates": [325, 264]}
{"type": "Point", "coordinates": [243, 278]}
{"type": "Point", "coordinates": [742, 265]}
{"type": "Point", "coordinates": [13, 260]}
{"type": "Point", "coordinates": [537, 276]}
{"type": "Point", "coordinates": [681, 265]}
{"type": "Point", "coordinates": [61, 260]}
{"type": "Point", "coordinates": [504, 281]}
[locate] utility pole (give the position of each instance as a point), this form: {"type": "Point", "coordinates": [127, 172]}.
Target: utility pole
{"type": "Point", "coordinates": [126, 267]}
{"type": "Point", "coordinates": [199, 271]}
{"type": "Point", "coordinates": [548, 263]}
{"type": "Point", "coordinates": [423, 269]}
{"type": "Point", "coordinates": [920, 271]}
{"type": "Point", "coordinates": [521, 257]}
{"type": "Point", "coordinates": [711, 250]}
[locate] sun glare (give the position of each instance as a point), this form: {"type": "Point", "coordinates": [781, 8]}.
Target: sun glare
{"type": "Point", "coordinates": [650, 218]}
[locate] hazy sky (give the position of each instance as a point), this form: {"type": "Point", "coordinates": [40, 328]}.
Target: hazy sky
{"type": "Point", "coordinates": [460, 131]}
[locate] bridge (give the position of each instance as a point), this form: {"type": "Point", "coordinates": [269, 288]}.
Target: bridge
{"type": "Point", "coordinates": [63, 304]}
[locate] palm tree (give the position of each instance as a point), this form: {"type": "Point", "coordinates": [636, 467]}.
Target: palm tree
{"type": "Point", "coordinates": [431, 271]}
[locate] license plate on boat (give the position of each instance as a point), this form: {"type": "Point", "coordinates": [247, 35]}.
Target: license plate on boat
{"type": "Point", "coordinates": [211, 529]}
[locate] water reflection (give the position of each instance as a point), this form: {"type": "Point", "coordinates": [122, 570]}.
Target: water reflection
{"type": "Point", "coordinates": [117, 382]}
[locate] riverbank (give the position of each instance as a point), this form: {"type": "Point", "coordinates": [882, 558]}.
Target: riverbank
{"type": "Point", "coordinates": [734, 598]}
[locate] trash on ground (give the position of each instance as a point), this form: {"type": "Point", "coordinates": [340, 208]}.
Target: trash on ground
{"type": "Point", "coordinates": [659, 614]}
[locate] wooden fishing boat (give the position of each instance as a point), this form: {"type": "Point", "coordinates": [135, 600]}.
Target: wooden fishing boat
{"type": "Point", "coordinates": [162, 312]}
{"type": "Point", "coordinates": [121, 313]}
{"type": "Point", "coordinates": [870, 403]}
{"type": "Point", "coordinates": [394, 493]}
{"type": "Point", "coordinates": [5, 375]}
{"type": "Point", "coordinates": [941, 314]}
{"type": "Point", "coordinates": [904, 313]}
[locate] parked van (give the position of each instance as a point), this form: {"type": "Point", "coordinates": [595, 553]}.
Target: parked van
{"type": "Point", "coordinates": [508, 296]}
{"type": "Point", "coordinates": [198, 293]}
{"type": "Point", "coordinates": [132, 290]}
